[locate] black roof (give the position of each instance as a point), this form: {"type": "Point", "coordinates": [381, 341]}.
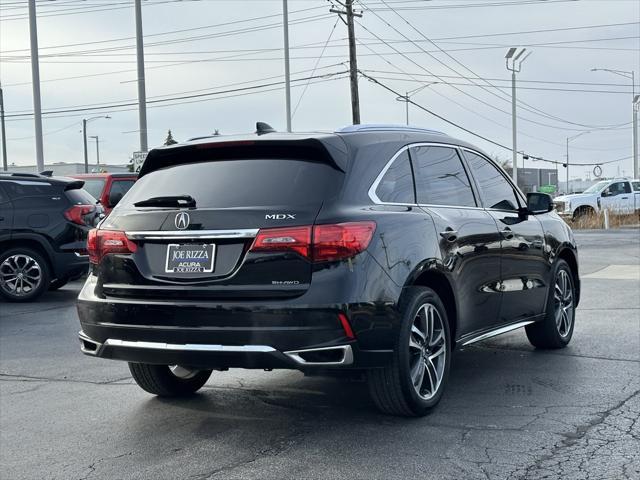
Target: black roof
{"type": "Point", "coordinates": [335, 145]}
{"type": "Point", "coordinates": [69, 183]}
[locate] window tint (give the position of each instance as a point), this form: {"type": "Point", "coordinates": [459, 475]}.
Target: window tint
{"type": "Point", "coordinates": [495, 190]}
{"type": "Point", "coordinates": [619, 188]}
{"type": "Point", "coordinates": [25, 188]}
{"type": "Point", "coordinates": [440, 177]}
{"type": "Point", "coordinates": [94, 186]}
{"type": "Point", "coordinates": [396, 185]}
{"type": "Point", "coordinates": [79, 196]}
{"type": "Point", "coordinates": [121, 186]}
{"type": "Point", "coordinates": [241, 183]}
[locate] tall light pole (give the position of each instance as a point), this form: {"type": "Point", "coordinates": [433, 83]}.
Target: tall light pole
{"type": "Point", "coordinates": [3, 134]}
{"type": "Point", "coordinates": [287, 73]}
{"type": "Point", "coordinates": [35, 81]}
{"type": "Point", "coordinates": [84, 138]}
{"type": "Point", "coordinates": [569, 139]}
{"type": "Point", "coordinates": [513, 61]}
{"type": "Point", "coordinates": [142, 95]}
{"type": "Point", "coordinates": [97, 139]}
{"type": "Point", "coordinates": [407, 97]}
{"type": "Point", "coordinates": [634, 105]}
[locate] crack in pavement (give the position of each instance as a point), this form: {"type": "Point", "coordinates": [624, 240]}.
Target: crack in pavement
{"type": "Point", "coordinates": [7, 377]}
{"type": "Point", "coordinates": [537, 352]}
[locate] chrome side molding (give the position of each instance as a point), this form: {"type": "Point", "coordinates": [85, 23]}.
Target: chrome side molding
{"type": "Point", "coordinates": [497, 331]}
{"type": "Point", "coordinates": [345, 350]}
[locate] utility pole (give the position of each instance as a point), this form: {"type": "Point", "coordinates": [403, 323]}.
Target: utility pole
{"type": "Point", "coordinates": [142, 95]}
{"type": "Point", "coordinates": [514, 65]}
{"type": "Point", "coordinates": [353, 61]}
{"type": "Point", "coordinates": [3, 134]}
{"type": "Point", "coordinates": [287, 73]}
{"type": "Point", "coordinates": [97, 139]}
{"type": "Point", "coordinates": [35, 81]}
{"type": "Point", "coordinates": [84, 141]}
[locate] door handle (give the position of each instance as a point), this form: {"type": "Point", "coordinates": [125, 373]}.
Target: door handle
{"type": "Point", "coordinates": [506, 233]}
{"type": "Point", "coordinates": [449, 234]}
{"type": "Point", "coordinates": [624, 198]}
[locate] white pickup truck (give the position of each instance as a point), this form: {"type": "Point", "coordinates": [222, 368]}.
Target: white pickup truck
{"type": "Point", "coordinates": [618, 196]}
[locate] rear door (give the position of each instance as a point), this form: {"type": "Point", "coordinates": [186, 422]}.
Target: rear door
{"type": "Point", "coordinates": [6, 215]}
{"type": "Point", "coordinates": [203, 250]}
{"type": "Point", "coordinates": [525, 268]}
{"type": "Point", "coordinates": [469, 240]}
{"type": "Point", "coordinates": [618, 197]}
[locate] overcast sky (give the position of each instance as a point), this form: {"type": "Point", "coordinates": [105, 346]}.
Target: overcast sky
{"type": "Point", "coordinates": [209, 46]}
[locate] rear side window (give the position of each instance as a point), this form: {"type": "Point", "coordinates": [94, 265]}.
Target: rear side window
{"type": "Point", "coordinates": [3, 196]}
{"type": "Point", "coordinates": [94, 186]}
{"type": "Point", "coordinates": [396, 185]}
{"type": "Point", "coordinates": [24, 188]}
{"type": "Point", "coordinates": [495, 190]}
{"type": "Point", "coordinates": [440, 177]}
{"type": "Point", "coordinates": [121, 186]}
{"type": "Point", "coordinates": [241, 183]}
{"type": "Point", "coordinates": [636, 186]}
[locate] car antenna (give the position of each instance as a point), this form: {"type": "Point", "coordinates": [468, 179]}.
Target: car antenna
{"type": "Point", "coordinates": [262, 128]}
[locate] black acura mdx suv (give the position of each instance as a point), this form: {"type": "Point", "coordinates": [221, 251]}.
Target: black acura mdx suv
{"type": "Point", "coordinates": [374, 249]}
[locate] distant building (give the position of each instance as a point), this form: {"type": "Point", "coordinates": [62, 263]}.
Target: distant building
{"type": "Point", "coordinates": [537, 179]}
{"type": "Point", "coordinates": [61, 168]}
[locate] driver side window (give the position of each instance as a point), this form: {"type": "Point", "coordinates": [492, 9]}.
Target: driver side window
{"type": "Point", "coordinates": [496, 192]}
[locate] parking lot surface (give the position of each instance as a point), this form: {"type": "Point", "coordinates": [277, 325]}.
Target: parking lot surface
{"type": "Point", "coordinates": [510, 412]}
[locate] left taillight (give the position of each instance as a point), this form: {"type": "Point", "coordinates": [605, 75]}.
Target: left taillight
{"type": "Point", "coordinates": [76, 213]}
{"type": "Point", "coordinates": [105, 242]}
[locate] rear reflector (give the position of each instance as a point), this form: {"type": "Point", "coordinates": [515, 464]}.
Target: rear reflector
{"type": "Point", "coordinates": [105, 242]}
{"type": "Point", "coordinates": [319, 243]}
{"type": "Point", "coordinates": [76, 213]}
{"type": "Point", "coordinates": [346, 326]}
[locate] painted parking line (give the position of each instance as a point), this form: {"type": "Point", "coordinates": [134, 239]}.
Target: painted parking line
{"type": "Point", "coordinates": [617, 272]}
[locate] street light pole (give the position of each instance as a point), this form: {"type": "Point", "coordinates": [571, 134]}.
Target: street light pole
{"type": "Point", "coordinates": [634, 105]}
{"type": "Point", "coordinates": [569, 139]}
{"type": "Point", "coordinates": [407, 97]}
{"type": "Point", "coordinates": [97, 139]}
{"type": "Point", "coordinates": [142, 95]}
{"type": "Point", "coordinates": [3, 135]}
{"type": "Point", "coordinates": [84, 139]}
{"type": "Point", "coordinates": [35, 80]}
{"type": "Point", "coordinates": [513, 62]}
{"type": "Point", "coordinates": [287, 73]}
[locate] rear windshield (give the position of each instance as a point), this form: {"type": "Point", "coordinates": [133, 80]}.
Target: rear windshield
{"type": "Point", "coordinates": [241, 183]}
{"type": "Point", "coordinates": [94, 186]}
{"type": "Point", "coordinates": [79, 196]}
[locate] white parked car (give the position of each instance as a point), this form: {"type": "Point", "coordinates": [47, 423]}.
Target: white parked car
{"type": "Point", "coordinates": [619, 195]}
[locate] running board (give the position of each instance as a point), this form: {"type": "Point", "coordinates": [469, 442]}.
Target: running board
{"type": "Point", "coordinates": [498, 331]}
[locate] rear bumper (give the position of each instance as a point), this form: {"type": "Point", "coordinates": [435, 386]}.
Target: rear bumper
{"type": "Point", "coordinates": [215, 334]}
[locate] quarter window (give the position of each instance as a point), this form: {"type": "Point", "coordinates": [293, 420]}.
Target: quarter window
{"type": "Point", "coordinates": [440, 177]}
{"type": "Point", "coordinates": [636, 186]}
{"type": "Point", "coordinates": [495, 190]}
{"type": "Point", "coordinates": [396, 186]}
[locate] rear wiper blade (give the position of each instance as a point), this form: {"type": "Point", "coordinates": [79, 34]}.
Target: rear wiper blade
{"type": "Point", "coordinates": [172, 201]}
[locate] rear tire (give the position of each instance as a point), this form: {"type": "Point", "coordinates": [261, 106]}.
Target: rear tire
{"type": "Point", "coordinates": [556, 330]}
{"type": "Point", "coordinates": [413, 383]}
{"type": "Point", "coordinates": [160, 380]}
{"type": "Point", "coordinates": [24, 274]}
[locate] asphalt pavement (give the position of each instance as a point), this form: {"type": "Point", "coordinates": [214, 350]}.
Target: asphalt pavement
{"type": "Point", "coordinates": [510, 412]}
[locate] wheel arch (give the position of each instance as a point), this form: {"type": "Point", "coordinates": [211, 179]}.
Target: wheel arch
{"type": "Point", "coordinates": [34, 243]}
{"type": "Point", "coordinates": [439, 283]}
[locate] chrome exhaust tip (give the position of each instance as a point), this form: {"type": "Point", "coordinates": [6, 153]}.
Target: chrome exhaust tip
{"type": "Point", "coordinates": [87, 345]}
{"type": "Point", "coordinates": [340, 355]}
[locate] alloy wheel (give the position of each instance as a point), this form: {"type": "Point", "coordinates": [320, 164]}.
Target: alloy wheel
{"type": "Point", "coordinates": [563, 299]}
{"type": "Point", "coordinates": [184, 373]}
{"type": "Point", "coordinates": [20, 275]}
{"type": "Point", "coordinates": [427, 351]}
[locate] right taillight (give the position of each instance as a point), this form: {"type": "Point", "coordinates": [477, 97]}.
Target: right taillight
{"type": "Point", "coordinates": [105, 242]}
{"type": "Point", "coordinates": [319, 243]}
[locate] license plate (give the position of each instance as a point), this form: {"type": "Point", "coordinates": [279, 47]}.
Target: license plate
{"type": "Point", "coordinates": [190, 258]}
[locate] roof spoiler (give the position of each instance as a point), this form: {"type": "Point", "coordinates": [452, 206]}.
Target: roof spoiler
{"type": "Point", "coordinates": [74, 185]}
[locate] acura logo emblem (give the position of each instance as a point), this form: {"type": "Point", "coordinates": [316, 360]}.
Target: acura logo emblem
{"type": "Point", "coordinates": [182, 220]}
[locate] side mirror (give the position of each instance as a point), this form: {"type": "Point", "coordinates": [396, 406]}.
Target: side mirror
{"type": "Point", "coordinates": [538, 203]}
{"type": "Point", "coordinates": [114, 198]}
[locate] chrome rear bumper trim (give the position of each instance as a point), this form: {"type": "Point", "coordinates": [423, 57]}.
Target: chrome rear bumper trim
{"type": "Point", "coordinates": [347, 355]}
{"type": "Point", "coordinates": [188, 234]}
{"type": "Point", "coordinates": [189, 347]}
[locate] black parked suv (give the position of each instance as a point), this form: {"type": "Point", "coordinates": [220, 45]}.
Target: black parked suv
{"type": "Point", "coordinates": [44, 222]}
{"type": "Point", "coordinates": [372, 249]}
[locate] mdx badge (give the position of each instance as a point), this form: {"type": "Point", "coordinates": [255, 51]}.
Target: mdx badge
{"type": "Point", "coordinates": [182, 220]}
{"type": "Point", "coordinates": [280, 216]}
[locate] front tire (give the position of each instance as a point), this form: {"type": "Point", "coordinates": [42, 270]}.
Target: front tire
{"type": "Point", "coordinates": [24, 274]}
{"type": "Point", "coordinates": [168, 381]}
{"type": "Point", "coordinates": [413, 383]}
{"type": "Point", "coordinates": [556, 330]}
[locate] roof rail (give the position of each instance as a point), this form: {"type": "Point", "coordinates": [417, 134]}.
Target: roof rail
{"type": "Point", "coordinates": [385, 127]}
{"type": "Point", "coordinates": [19, 174]}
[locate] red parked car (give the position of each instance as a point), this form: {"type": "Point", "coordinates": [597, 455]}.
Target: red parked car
{"type": "Point", "coordinates": [108, 188]}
